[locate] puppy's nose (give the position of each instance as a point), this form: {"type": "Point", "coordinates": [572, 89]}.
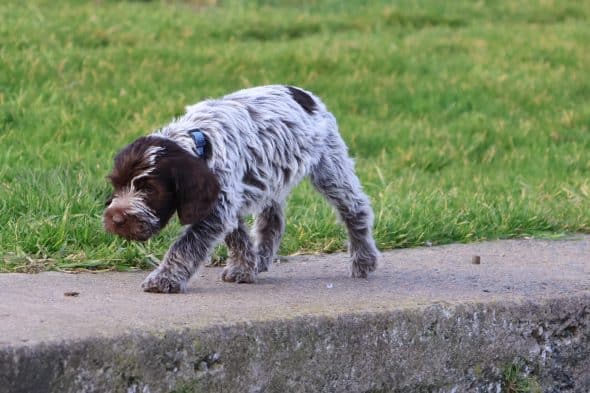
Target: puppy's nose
{"type": "Point", "coordinates": [118, 219]}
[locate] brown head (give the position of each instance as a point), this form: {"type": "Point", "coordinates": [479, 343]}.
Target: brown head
{"type": "Point", "coordinates": [152, 179]}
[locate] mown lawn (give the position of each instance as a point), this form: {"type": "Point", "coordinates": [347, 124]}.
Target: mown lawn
{"type": "Point", "coordinates": [468, 119]}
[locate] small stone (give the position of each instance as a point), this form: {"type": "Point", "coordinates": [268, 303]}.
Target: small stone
{"type": "Point", "coordinates": [476, 259]}
{"type": "Point", "coordinates": [71, 293]}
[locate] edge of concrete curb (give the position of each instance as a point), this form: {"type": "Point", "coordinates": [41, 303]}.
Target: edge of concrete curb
{"type": "Point", "coordinates": [438, 347]}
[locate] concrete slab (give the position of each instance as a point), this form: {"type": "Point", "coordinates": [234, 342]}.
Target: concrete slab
{"type": "Point", "coordinates": [36, 317]}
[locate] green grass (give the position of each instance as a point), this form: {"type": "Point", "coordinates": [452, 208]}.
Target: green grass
{"type": "Point", "coordinates": [468, 120]}
{"type": "Point", "coordinates": [516, 380]}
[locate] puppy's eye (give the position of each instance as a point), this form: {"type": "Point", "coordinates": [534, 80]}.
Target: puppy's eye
{"type": "Point", "coordinates": [108, 201]}
{"type": "Point", "coordinates": [144, 185]}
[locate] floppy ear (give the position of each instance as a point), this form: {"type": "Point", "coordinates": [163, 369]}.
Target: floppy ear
{"type": "Point", "coordinates": [197, 189]}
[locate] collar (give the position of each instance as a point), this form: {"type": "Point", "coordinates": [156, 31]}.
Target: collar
{"type": "Point", "coordinates": [200, 142]}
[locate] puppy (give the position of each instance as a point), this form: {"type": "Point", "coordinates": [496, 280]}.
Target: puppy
{"type": "Point", "coordinates": [228, 158]}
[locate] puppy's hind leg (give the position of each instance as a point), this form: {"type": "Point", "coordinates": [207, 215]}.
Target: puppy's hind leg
{"type": "Point", "coordinates": [241, 266]}
{"type": "Point", "coordinates": [334, 178]}
{"type": "Point", "coordinates": [269, 228]}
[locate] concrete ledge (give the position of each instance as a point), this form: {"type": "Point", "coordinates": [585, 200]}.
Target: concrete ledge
{"type": "Point", "coordinates": [429, 321]}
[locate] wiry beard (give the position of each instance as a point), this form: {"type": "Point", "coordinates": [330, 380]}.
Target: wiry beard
{"type": "Point", "coordinates": [141, 222]}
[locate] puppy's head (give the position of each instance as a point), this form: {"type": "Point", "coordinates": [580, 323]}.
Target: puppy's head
{"type": "Point", "coordinates": [153, 178]}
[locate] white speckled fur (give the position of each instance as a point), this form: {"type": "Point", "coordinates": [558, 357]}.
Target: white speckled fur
{"type": "Point", "coordinates": [263, 142]}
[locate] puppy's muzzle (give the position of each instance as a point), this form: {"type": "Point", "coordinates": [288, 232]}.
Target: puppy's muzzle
{"type": "Point", "coordinates": [127, 226]}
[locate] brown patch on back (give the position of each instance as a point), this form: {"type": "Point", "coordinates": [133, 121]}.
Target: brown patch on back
{"type": "Point", "coordinates": [303, 99]}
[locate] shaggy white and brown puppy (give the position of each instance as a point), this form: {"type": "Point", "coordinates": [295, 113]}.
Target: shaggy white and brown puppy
{"type": "Point", "coordinates": [228, 158]}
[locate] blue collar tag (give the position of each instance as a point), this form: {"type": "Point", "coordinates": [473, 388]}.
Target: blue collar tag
{"type": "Point", "coordinates": [200, 142]}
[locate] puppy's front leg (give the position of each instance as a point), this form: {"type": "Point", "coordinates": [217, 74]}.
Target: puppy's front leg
{"type": "Point", "coordinates": [184, 257]}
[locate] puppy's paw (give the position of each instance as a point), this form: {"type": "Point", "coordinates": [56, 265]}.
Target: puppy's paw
{"type": "Point", "coordinates": [239, 273]}
{"type": "Point", "coordinates": [263, 264]}
{"type": "Point", "coordinates": [362, 267]}
{"type": "Point", "coordinates": [163, 281]}
{"type": "Point", "coordinates": [361, 270]}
